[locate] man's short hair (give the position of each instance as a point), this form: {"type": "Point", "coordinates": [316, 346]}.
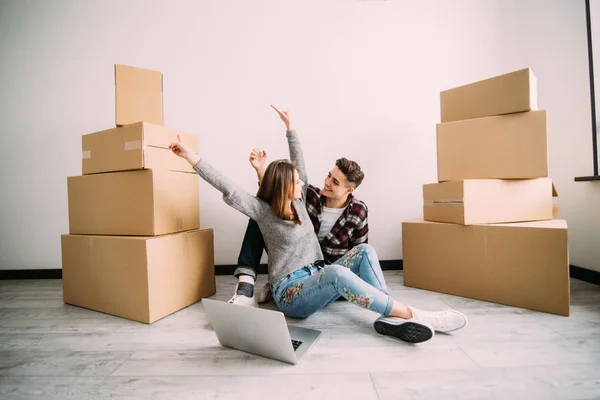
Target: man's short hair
{"type": "Point", "coordinates": [351, 170]}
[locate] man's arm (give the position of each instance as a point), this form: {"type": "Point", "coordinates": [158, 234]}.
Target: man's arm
{"type": "Point", "coordinates": [258, 159]}
{"type": "Point", "coordinates": [360, 234]}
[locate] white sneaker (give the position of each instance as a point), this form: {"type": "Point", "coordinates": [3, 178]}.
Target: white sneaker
{"type": "Point", "coordinates": [241, 300]}
{"type": "Point", "coordinates": [408, 330]}
{"type": "Point", "coordinates": [441, 321]}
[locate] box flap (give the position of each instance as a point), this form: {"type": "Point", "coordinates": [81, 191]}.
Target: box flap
{"type": "Point", "coordinates": [555, 210]}
{"type": "Point", "coordinates": [164, 159]}
{"type": "Point", "coordinates": [547, 224]}
{"type": "Point", "coordinates": [445, 192]}
{"type": "Point", "coordinates": [550, 224]}
{"type": "Point", "coordinates": [533, 90]}
{"type": "Point", "coordinates": [138, 95]}
{"type": "Point", "coordinates": [160, 136]}
{"type": "Point", "coordinates": [554, 191]}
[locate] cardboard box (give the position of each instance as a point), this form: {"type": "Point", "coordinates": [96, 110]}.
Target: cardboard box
{"type": "Point", "coordinates": [144, 202]}
{"type": "Point", "coordinates": [503, 94]}
{"type": "Point", "coordinates": [136, 146]}
{"type": "Point", "coordinates": [139, 278]}
{"type": "Point", "coordinates": [138, 95]}
{"type": "Point", "coordinates": [522, 265]}
{"type": "Point", "coordinates": [504, 147]}
{"type": "Point", "coordinates": [484, 201]}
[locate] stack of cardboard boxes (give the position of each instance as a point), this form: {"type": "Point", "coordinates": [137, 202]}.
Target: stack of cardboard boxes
{"type": "Point", "coordinates": [134, 247]}
{"type": "Point", "coordinates": [488, 231]}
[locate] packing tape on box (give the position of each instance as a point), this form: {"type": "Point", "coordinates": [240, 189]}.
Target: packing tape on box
{"type": "Point", "coordinates": [135, 145]}
{"type": "Point", "coordinates": [86, 154]}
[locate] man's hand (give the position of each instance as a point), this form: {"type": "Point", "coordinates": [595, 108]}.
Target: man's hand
{"type": "Point", "coordinates": [258, 158]}
{"type": "Point", "coordinates": [285, 117]}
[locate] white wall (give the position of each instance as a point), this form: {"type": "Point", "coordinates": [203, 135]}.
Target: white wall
{"type": "Point", "coordinates": [361, 78]}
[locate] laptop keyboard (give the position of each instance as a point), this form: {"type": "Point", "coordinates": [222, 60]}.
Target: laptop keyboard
{"type": "Point", "coordinates": [296, 344]}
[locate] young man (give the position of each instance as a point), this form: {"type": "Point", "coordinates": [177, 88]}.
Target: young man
{"type": "Point", "coordinates": [340, 222]}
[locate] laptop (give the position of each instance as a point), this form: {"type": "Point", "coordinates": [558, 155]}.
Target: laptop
{"type": "Point", "coordinates": [259, 331]}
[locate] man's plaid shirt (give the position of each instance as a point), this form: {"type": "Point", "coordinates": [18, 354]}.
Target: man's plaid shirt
{"type": "Point", "coordinates": [350, 229]}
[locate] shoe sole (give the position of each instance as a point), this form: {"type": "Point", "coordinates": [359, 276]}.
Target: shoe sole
{"type": "Point", "coordinates": [410, 332]}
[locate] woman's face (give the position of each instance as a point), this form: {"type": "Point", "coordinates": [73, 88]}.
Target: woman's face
{"type": "Point", "coordinates": [298, 184]}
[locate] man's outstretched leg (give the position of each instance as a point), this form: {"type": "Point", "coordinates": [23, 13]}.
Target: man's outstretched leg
{"type": "Point", "coordinates": [248, 262]}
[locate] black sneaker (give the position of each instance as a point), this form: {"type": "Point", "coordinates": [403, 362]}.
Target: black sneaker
{"type": "Point", "coordinates": [407, 330]}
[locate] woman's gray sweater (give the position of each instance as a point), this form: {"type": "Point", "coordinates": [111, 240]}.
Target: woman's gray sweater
{"type": "Point", "coordinates": [291, 246]}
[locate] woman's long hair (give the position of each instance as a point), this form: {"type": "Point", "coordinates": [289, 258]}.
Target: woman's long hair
{"type": "Point", "coordinates": [277, 189]}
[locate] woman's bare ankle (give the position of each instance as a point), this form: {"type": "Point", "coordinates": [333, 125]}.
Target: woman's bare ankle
{"type": "Point", "coordinates": [400, 311]}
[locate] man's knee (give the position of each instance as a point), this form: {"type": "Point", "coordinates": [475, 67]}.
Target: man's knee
{"type": "Point", "coordinates": [365, 247]}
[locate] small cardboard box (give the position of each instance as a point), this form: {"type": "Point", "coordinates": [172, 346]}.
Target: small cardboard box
{"type": "Point", "coordinates": [504, 147]}
{"type": "Point", "coordinates": [523, 265]}
{"type": "Point", "coordinates": [138, 95]}
{"type": "Point", "coordinates": [139, 278]}
{"type": "Point", "coordinates": [136, 146]}
{"type": "Point", "coordinates": [145, 202]}
{"type": "Point", "coordinates": [504, 94]}
{"type": "Point", "coordinates": [485, 201]}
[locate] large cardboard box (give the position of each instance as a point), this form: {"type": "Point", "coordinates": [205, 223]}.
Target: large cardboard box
{"type": "Point", "coordinates": [136, 146]}
{"type": "Point", "coordinates": [522, 265]}
{"type": "Point", "coordinates": [139, 278]}
{"type": "Point", "coordinates": [504, 147]}
{"type": "Point", "coordinates": [144, 202]}
{"type": "Point", "coordinates": [504, 94]}
{"type": "Point", "coordinates": [482, 201]}
{"type": "Point", "coordinates": [138, 95]}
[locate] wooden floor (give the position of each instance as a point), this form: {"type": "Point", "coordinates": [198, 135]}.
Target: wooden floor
{"type": "Point", "coordinates": [49, 350]}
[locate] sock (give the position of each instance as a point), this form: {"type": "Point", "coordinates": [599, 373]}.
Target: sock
{"type": "Point", "coordinates": [245, 289]}
{"type": "Point", "coordinates": [245, 286]}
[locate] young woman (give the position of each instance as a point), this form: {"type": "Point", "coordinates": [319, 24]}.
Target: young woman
{"type": "Point", "coordinates": [301, 282]}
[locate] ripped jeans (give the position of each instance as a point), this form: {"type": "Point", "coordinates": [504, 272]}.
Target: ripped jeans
{"type": "Point", "coordinates": [357, 276]}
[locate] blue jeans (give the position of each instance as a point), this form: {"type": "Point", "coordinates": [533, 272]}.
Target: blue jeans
{"type": "Point", "coordinates": [357, 276]}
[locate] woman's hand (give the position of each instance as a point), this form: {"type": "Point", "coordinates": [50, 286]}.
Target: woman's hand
{"type": "Point", "coordinates": [285, 117]}
{"type": "Point", "coordinates": [258, 158]}
{"type": "Point", "coordinates": [182, 150]}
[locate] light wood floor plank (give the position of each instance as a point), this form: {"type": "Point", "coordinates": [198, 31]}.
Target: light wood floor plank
{"type": "Point", "coordinates": [247, 387]}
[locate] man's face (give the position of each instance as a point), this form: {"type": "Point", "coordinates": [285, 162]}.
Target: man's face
{"type": "Point", "coordinates": [336, 185]}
